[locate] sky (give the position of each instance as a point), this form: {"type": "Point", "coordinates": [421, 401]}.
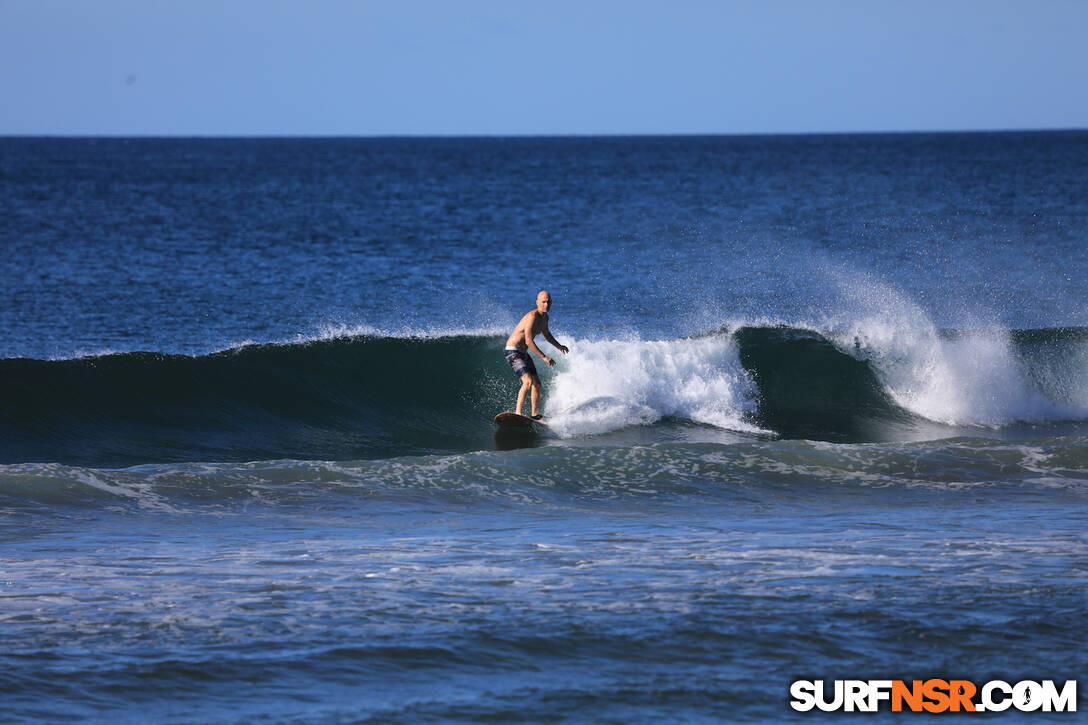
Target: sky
{"type": "Point", "coordinates": [507, 67]}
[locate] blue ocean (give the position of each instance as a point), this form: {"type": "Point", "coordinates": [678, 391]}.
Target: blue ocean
{"type": "Point", "coordinates": [824, 416]}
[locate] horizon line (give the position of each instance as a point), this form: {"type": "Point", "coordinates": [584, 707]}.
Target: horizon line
{"type": "Point", "coordinates": [424, 136]}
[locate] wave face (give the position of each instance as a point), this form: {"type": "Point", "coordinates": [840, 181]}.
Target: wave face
{"type": "Point", "coordinates": [380, 397]}
{"type": "Point", "coordinates": [344, 398]}
{"type": "Point", "coordinates": [810, 388]}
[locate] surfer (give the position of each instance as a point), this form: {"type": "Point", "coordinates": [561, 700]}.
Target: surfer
{"type": "Point", "coordinates": [520, 342]}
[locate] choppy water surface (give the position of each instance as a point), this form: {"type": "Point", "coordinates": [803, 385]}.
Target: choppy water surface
{"type": "Point", "coordinates": [825, 415]}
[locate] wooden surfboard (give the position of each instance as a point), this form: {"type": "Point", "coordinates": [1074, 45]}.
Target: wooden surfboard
{"type": "Point", "coordinates": [513, 420]}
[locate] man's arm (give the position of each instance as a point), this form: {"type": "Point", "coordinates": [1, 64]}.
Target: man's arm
{"type": "Point", "coordinates": [548, 336]}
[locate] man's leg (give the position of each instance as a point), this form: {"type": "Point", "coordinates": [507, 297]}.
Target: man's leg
{"type": "Point", "coordinates": [536, 392]}
{"type": "Point", "coordinates": [526, 383]}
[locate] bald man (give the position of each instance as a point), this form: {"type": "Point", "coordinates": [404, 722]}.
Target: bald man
{"type": "Point", "coordinates": [521, 341]}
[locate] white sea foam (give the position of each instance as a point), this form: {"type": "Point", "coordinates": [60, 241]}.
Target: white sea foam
{"type": "Point", "coordinates": [333, 331]}
{"type": "Point", "coordinates": [81, 353]}
{"type": "Point", "coordinates": [606, 385]}
{"type": "Point", "coordinates": [121, 485]}
{"type": "Point", "coordinates": [974, 377]}
{"type": "Point", "coordinates": [337, 331]}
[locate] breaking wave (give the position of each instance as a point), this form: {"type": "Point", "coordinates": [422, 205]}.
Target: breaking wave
{"type": "Point", "coordinates": [365, 397]}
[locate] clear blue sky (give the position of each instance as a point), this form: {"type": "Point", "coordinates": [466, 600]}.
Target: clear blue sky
{"type": "Point", "coordinates": [260, 67]}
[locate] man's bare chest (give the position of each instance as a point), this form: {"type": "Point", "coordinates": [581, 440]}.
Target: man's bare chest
{"type": "Point", "coordinates": [537, 325]}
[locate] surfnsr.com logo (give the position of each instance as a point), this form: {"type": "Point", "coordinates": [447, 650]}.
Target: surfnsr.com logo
{"type": "Point", "coordinates": [934, 695]}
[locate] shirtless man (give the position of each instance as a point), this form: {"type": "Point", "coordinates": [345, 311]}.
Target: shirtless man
{"type": "Point", "coordinates": [521, 341]}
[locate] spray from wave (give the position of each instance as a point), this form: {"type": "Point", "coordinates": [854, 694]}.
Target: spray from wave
{"type": "Point", "coordinates": [976, 375]}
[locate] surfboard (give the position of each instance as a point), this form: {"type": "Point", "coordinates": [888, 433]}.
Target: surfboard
{"type": "Point", "coordinates": [513, 420]}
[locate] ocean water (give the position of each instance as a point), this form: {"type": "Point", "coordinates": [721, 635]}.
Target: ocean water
{"type": "Point", "coordinates": [824, 416]}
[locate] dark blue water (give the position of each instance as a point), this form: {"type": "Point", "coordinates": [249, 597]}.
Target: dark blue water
{"type": "Point", "coordinates": [194, 245]}
{"type": "Point", "coordinates": [825, 415]}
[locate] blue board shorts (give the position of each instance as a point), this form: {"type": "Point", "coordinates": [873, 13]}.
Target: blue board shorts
{"type": "Point", "coordinates": [521, 362]}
